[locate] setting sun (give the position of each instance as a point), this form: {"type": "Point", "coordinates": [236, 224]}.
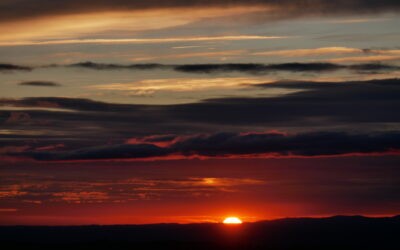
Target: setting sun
{"type": "Point", "coordinates": [232, 220]}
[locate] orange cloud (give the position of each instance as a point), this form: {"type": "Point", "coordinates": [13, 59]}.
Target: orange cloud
{"type": "Point", "coordinates": [310, 52]}
{"type": "Point", "coordinates": [82, 197]}
{"type": "Point", "coordinates": [178, 84]}
{"type": "Point", "coordinates": [61, 30]}
{"type": "Point", "coordinates": [141, 40]}
{"type": "Point", "coordinates": [375, 58]}
{"type": "Point", "coordinates": [222, 54]}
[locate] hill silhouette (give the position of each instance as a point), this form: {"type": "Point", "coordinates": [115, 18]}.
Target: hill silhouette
{"type": "Point", "coordinates": [339, 232]}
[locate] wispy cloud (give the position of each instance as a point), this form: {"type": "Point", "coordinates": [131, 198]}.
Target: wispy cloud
{"type": "Point", "coordinates": [207, 54]}
{"type": "Point", "coordinates": [310, 52]}
{"type": "Point", "coordinates": [362, 59]}
{"type": "Point", "coordinates": [38, 189]}
{"type": "Point", "coordinates": [178, 84]}
{"type": "Point", "coordinates": [358, 20]}
{"type": "Point", "coordinates": [41, 8]}
{"type": "Point", "coordinates": [359, 55]}
{"type": "Point", "coordinates": [88, 27]}
{"type": "Point", "coordinates": [143, 40]}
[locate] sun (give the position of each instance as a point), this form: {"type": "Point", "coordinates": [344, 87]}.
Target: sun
{"type": "Point", "coordinates": [232, 220]}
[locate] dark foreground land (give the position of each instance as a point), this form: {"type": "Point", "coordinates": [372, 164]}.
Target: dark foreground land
{"type": "Point", "coordinates": [330, 233]}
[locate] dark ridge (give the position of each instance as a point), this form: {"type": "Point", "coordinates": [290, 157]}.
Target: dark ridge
{"type": "Point", "coordinates": [339, 232]}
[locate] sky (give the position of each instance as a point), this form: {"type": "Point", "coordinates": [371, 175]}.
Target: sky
{"type": "Point", "coordinates": [135, 112]}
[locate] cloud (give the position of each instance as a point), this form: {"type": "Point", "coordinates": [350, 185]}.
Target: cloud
{"type": "Point", "coordinates": [109, 66]}
{"type": "Point", "coordinates": [248, 68]}
{"type": "Point", "coordinates": [7, 210]}
{"type": "Point", "coordinates": [313, 104]}
{"type": "Point", "coordinates": [140, 40]}
{"type": "Point", "coordinates": [220, 54]}
{"type": "Point", "coordinates": [331, 87]}
{"type": "Point", "coordinates": [90, 129]}
{"type": "Point", "coordinates": [27, 9]}
{"type": "Point", "coordinates": [39, 84]}
{"type": "Point", "coordinates": [44, 23]}
{"type": "Point", "coordinates": [310, 52]}
{"type": "Point", "coordinates": [306, 144]}
{"type": "Point", "coordinates": [130, 151]}
{"type": "Point", "coordinates": [39, 189]}
{"type": "Point", "coordinates": [373, 67]}
{"type": "Point", "coordinates": [265, 145]}
{"type": "Point", "coordinates": [361, 59]}
{"type": "Point", "coordinates": [266, 68]}
{"type": "Point", "coordinates": [366, 55]}
{"type": "Point", "coordinates": [66, 103]}
{"type": "Point", "coordinates": [12, 67]}
{"type": "Point", "coordinates": [82, 197]}
{"type": "Point", "coordinates": [146, 87]}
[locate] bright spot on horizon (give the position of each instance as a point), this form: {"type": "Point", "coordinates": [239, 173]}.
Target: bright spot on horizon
{"type": "Point", "coordinates": [232, 220]}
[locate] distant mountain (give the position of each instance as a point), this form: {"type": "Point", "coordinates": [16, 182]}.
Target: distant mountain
{"type": "Point", "coordinates": [339, 232]}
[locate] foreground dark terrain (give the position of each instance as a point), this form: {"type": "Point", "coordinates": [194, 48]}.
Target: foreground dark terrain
{"type": "Point", "coordinates": [340, 232]}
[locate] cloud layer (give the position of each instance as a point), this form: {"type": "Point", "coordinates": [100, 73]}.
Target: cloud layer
{"type": "Point", "coordinates": [248, 68]}
{"type": "Point", "coordinates": [265, 145]}
{"type": "Point", "coordinates": [83, 127]}
{"type": "Point", "coordinates": [28, 9]}
{"type": "Point", "coordinates": [319, 103]}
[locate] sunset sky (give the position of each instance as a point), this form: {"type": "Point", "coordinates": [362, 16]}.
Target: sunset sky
{"type": "Point", "coordinates": [133, 112]}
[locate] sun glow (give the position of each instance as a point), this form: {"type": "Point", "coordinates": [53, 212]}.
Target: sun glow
{"type": "Point", "coordinates": [232, 220]}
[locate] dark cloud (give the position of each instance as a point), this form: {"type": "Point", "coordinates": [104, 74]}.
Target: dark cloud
{"type": "Point", "coordinates": [372, 67]}
{"type": "Point", "coordinates": [361, 106]}
{"type": "Point", "coordinates": [343, 102]}
{"type": "Point", "coordinates": [307, 144]}
{"type": "Point", "coordinates": [68, 103]}
{"type": "Point", "coordinates": [259, 68]}
{"type": "Point", "coordinates": [233, 144]}
{"type": "Point", "coordinates": [212, 68]}
{"type": "Point", "coordinates": [292, 67]}
{"type": "Point", "coordinates": [40, 84]}
{"type": "Point", "coordinates": [109, 66]}
{"type": "Point", "coordinates": [248, 68]}
{"type": "Point", "coordinates": [12, 67]}
{"type": "Point", "coordinates": [317, 104]}
{"type": "Point", "coordinates": [104, 152]}
{"type": "Point", "coordinates": [25, 9]}
{"type": "Point", "coordinates": [347, 86]}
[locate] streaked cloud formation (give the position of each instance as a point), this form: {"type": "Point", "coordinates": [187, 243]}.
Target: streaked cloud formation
{"type": "Point", "coordinates": [155, 111]}
{"type": "Point", "coordinates": [367, 103]}
{"type": "Point", "coordinates": [177, 84]}
{"type": "Point", "coordinates": [28, 9]}
{"type": "Point", "coordinates": [250, 68]}
{"type": "Point", "coordinates": [265, 145]}
{"type": "Point", "coordinates": [141, 40]}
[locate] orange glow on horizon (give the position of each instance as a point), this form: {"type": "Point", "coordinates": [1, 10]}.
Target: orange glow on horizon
{"type": "Point", "coordinates": [232, 221]}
